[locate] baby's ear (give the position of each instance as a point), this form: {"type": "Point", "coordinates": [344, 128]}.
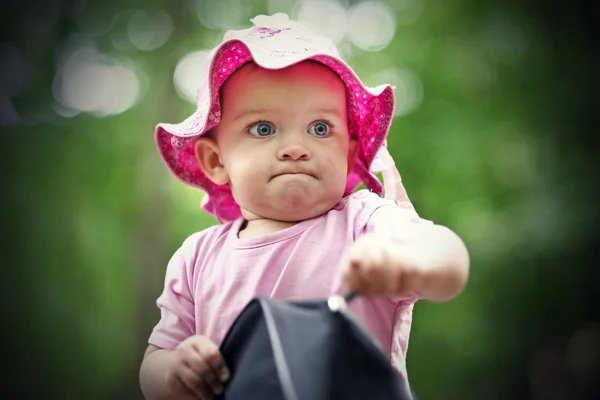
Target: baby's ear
{"type": "Point", "coordinates": [352, 148]}
{"type": "Point", "coordinates": [209, 159]}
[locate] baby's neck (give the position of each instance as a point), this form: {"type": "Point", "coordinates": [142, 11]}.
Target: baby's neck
{"type": "Point", "coordinates": [260, 227]}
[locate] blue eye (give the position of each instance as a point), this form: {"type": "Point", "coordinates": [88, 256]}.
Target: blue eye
{"type": "Point", "coordinates": [320, 129]}
{"type": "Point", "coordinates": [261, 129]}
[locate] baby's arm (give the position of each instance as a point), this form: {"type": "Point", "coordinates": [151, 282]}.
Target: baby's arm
{"type": "Point", "coordinates": [443, 259]}
{"type": "Point", "coordinates": [401, 256]}
{"type": "Point", "coordinates": [152, 373]}
{"type": "Point", "coordinates": [178, 363]}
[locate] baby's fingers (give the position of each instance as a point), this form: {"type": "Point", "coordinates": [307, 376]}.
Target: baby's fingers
{"type": "Point", "coordinates": [211, 354]}
{"type": "Point", "coordinates": [194, 384]}
{"type": "Point", "coordinates": [364, 272]}
{"type": "Point", "coordinates": [354, 279]}
{"type": "Point", "coordinates": [366, 279]}
{"type": "Point", "coordinates": [185, 381]}
{"type": "Point", "coordinates": [207, 376]}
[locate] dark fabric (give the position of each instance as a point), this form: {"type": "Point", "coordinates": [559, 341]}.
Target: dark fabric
{"type": "Point", "coordinates": [328, 355]}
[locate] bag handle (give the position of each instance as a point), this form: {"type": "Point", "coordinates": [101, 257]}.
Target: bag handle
{"type": "Point", "coordinates": [339, 303]}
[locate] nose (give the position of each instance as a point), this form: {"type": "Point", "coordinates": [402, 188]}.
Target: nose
{"type": "Point", "coordinates": [294, 150]}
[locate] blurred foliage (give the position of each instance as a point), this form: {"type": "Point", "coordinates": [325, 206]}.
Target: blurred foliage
{"type": "Point", "coordinates": [499, 150]}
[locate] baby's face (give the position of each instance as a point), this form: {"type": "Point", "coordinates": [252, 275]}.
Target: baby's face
{"type": "Point", "coordinates": [283, 139]}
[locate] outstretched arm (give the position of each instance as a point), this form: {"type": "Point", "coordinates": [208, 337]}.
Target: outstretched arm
{"type": "Point", "coordinates": [400, 257]}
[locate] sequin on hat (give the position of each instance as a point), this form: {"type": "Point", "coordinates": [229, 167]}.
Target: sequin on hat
{"type": "Point", "coordinates": [274, 42]}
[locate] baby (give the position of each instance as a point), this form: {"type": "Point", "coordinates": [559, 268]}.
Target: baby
{"type": "Point", "coordinates": [283, 134]}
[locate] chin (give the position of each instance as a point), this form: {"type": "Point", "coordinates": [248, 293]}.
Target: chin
{"type": "Point", "coordinates": [292, 202]}
{"type": "Point", "coordinates": [300, 206]}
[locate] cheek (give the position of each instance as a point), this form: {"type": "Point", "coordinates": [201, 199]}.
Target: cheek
{"type": "Point", "coordinates": [339, 157]}
{"type": "Point", "coordinates": [337, 165]}
{"type": "Point", "coordinates": [244, 166]}
{"type": "Point", "coordinates": [242, 179]}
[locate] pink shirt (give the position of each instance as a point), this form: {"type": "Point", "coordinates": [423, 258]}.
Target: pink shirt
{"type": "Point", "coordinates": [214, 274]}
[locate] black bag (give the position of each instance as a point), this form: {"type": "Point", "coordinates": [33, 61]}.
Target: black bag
{"type": "Point", "coordinates": [314, 350]}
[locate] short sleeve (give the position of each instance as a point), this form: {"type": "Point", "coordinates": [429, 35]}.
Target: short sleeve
{"type": "Point", "coordinates": [176, 304]}
{"type": "Point", "coordinates": [394, 220]}
{"type": "Point", "coordinates": [375, 213]}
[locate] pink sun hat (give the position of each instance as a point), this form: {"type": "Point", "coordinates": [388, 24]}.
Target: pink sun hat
{"type": "Point", "coordinates": [275, 42]}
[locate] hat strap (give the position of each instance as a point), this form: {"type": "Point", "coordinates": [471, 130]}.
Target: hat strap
{"type": "Point", "coordinates": [392, 181]}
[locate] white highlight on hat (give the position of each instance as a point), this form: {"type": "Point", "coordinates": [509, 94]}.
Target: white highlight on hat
{"type": "Point", "coordinates": [324, 17]}
{"type": "Point", "coordinates": [90, 82]}
{"type": "Point", "coordinates": [149, 29]}
{"type": "Point", "coordinates": [371, 25]}
{"type": "Point", "coordinates": [189, 73]}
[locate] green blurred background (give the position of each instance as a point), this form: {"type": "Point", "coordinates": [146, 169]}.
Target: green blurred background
{"type": "Point", "coordinates": [495, 136]}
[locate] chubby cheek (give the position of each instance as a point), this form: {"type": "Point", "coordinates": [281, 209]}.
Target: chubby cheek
{"type": "Point", "coordinates": [338, 162]}
{"type": "Point", "coordinates": [334, 180]}
{"type": "Point", "coordinates": [245, 173]}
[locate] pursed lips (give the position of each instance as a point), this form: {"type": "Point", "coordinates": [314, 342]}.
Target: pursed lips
{"type": "Point", "coordinates": [295, 172]}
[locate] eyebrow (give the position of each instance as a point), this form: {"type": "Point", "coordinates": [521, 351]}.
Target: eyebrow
{"type": "Point", "coordinates": [250, 112]}
{"type": "Point", "coordinates": [261, 111]}
{"type": "Point", "coordinates": [330, 111]}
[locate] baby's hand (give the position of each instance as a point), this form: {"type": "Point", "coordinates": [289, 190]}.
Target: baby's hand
{"type": "Point", "coordinates": [376, 265]}
{"type": "Point", "coordinates": [197, 369]}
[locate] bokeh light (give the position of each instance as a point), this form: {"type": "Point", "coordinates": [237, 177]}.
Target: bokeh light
{"type": "Point", "coordinates": [281, 6]}
{"type": "Point", "coordinates": [408, 89]}
{"type": "Point", "coordinates": [149, 29]}
{"type": "Point", "coordinates": [119, 35]}
{"type": "Point", "coordinates": [371, 25]}
{"type": "Point", "coordinates": [95, 83]}
{"type": "Point", "coordinates": [325, 17]}
{"type": "Point", "coordinates": [223, 14]}
{"type": "Point", "coordinates": [407, 11]}
{"type": "Point", "coordinates": [189, 73]}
